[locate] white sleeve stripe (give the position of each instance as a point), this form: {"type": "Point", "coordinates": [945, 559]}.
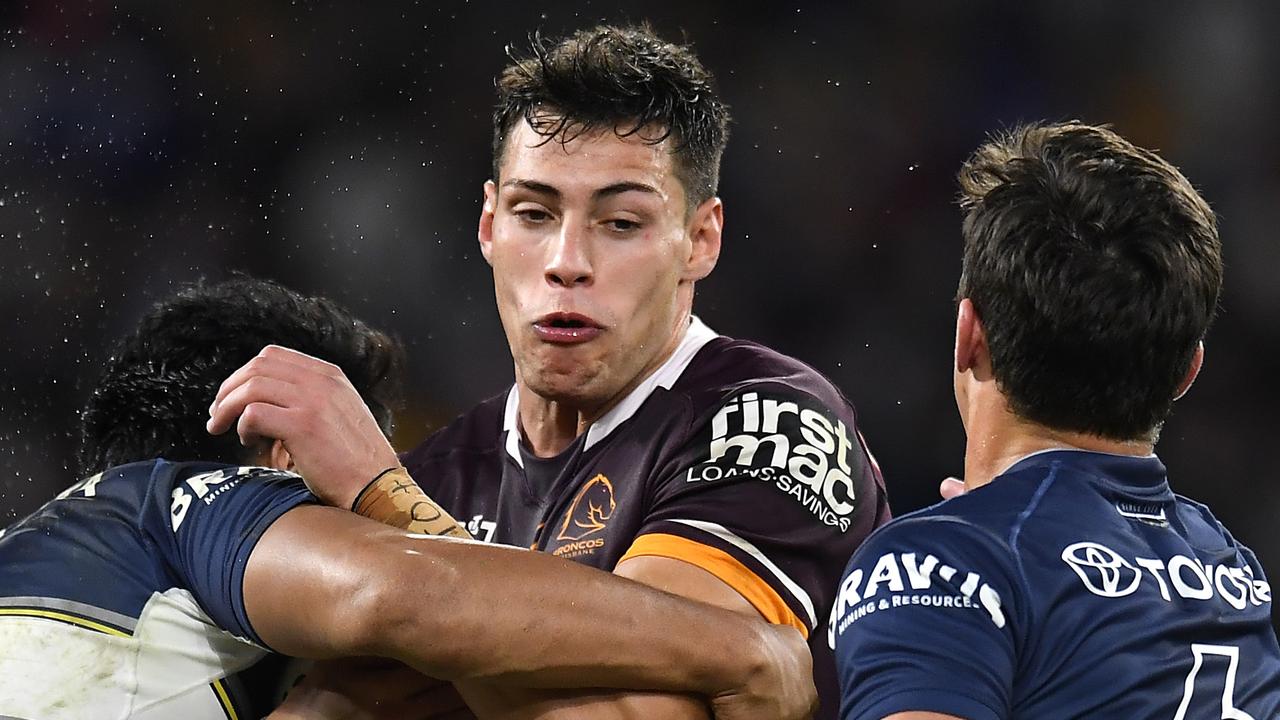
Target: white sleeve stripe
{"type": "Point", "coordinates": [726, 535]}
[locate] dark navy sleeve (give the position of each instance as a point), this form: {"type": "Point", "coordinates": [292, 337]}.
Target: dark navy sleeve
{"type": "Point", "coordinates": [213, 521]}
{"type": "Point", "coordinates": [925, 620]}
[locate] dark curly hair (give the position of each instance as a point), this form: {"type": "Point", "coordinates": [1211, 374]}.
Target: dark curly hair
{"type": "Point", "coordinates": [153, 397]}
{"type": "Point", "coordinates": [1096, 269]}
{"type": "Point", "coordinates": [624, 79]}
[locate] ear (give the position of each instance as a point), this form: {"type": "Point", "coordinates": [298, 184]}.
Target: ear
{"type": "Point", "coordinates": [705, 230]}
{"type": "Point", "coordinates": [971, 339]}
{"type": "Point", "coordinates": [1197, 359]}
{"type": "Point", "coordinates": [279, 458]}
{"type": "Point", "coordinates": [485, 232]}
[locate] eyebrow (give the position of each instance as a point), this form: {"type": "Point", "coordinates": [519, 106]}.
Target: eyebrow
{"type": "Point", "coordinates": [622, 187]}
{"type": "Point", "coordinates": [606, 191]}
{"type": "Point", "coordinates": [532, 186]}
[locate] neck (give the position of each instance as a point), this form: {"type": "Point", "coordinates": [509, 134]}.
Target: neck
{"type": "Point", "coordinates": [997, 439]}
{"type": "Point", "coordinates": [549, 425]}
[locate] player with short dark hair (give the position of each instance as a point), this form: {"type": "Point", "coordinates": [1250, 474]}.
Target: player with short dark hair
{"type": "Point", "coordinates": [1069, 581]}
{"type": "Point", "coordinates": [1095, 268]}
{"type": "Point", "coordinates": [624, 80]}
{"type": "Point", "coordinates": [155, 587]}
{"type": "Point", "coordinates": [634, 439]}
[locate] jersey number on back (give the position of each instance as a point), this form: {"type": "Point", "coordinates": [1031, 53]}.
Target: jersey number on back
{"type": "Point", "coordinates": [1229, 710]}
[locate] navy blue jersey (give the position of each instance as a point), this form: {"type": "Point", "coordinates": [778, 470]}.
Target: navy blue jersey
{"type": "Point", "coordinates": [1075, 585]}
{"type": "Point", "coordinates": [122, 597]}
{"type": "Point", "coordinates": [730, 456]}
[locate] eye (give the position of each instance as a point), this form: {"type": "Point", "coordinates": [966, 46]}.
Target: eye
{"type": "Point", "coordinates": [532, 215]}
{"type": "Point", "coordinates": [622, 225]}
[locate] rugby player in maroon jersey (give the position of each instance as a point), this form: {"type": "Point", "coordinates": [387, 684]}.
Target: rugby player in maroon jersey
{"type": "Point", "coordinates": [634, 438]}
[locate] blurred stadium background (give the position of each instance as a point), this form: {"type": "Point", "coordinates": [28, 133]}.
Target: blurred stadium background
{"type": "Point", "coordinates": [341, 148]}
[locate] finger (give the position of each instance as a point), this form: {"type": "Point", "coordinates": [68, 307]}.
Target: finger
{"type": "Point", "coordinates": [262, 420]}
{"type": "Point", "coordinates": [276, 361]}
{"type": "Point", "coordinates": [254, 389]}
{"type": "Point", "coordinates": [950, 488]}
{"type": "Point", "coordinates": [259, 366]}
{"type": "Point", "coordinates": [300, 359]}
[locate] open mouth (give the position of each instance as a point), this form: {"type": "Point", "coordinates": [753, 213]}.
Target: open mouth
{"type": "Point", "coordinates": [566, 328]}
{"type": "Point", "coordinates": [566, 322]}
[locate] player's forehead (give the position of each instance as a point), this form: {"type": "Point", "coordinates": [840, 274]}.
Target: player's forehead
{"type": "Point", "coordinates": [588, 162]}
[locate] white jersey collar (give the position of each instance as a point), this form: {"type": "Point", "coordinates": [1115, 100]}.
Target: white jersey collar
{"type": "Point", "coordinates": [697, 335]}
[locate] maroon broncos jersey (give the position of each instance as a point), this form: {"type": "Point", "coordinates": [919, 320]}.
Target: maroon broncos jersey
{"type": "Point", "coordinates": [733, 457]}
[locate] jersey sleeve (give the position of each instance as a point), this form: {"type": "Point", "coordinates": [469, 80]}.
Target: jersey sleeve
{"type": "Point", "coordinates": [213, 521]}
{"type": "Point", "coordinates": [771, 493]}
{"type": "Point", "coordinates": [926, 619]}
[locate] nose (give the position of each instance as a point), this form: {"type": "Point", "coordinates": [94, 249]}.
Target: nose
{"type": "Point", "coordinates": [569, 263]}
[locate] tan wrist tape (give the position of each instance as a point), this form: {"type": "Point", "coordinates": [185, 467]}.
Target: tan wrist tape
{"type": "Point", "coordinates": [393, 498]}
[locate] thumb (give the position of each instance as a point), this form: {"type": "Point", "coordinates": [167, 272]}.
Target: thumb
{"type": "Point", "coordinates": [951, 487]}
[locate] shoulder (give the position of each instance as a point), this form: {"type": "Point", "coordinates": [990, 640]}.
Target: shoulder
{"type": "Point", "coordinates": [941, 526]}
{"type": "Point", "coordinates": [726, 367]}
{"type": "Point", "coordinates": [999, 510]}
{"type": "Point", "coordinates": [975, 532]}
{"type": "Point", "coordinates": [1008, 495]}
{"type": "Point", "coordinates": [1201, 523]}
{"type": "Point", "coordinates": [206, 479]}
{"type": "Point", "coordinates": [1204, 530]}
{"type": "Point", "coordinates": [756, 414]}
{"type": "Point", "coordinates": [208, 489]}
{"type": "Point", "coordinates": [125, 490]}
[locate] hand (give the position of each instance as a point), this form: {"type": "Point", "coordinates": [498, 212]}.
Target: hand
{"type": "Point", "coordinates": [370, 689]}
{"type": "Point", "coordinates": [951, 487]}
{"type": "Point", "coordinates": [781, 688]}
{"type": "Point", "coordinates": [311, 407]}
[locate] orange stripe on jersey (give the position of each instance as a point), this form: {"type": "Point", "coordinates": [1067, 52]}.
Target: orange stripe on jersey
{"type": "Point", "coordinates": [724, 566]}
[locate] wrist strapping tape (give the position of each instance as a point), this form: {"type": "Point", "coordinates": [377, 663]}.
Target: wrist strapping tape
{"type": "Point", "coordinates": [393, 498]}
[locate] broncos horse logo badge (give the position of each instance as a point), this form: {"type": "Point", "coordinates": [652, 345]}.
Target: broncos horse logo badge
{"type": "Point", "coordinates": [590, 511]}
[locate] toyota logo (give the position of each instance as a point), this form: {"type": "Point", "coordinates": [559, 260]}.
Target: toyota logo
{"type": "Point", "coordinates": [1102, 569]}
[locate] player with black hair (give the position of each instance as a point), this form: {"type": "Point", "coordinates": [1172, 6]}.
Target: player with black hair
{"type": "Point", "coordinates": [149, 589]}
{"type": "Point", "coordinates": [634, 438]}
{"type": "Point", "coordinates": [168, 370]}
{"type": "Point", "coordinates": [1069, 581]}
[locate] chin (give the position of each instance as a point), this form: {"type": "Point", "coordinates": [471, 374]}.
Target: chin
{"type": "Point", "coordinates": [576, 386]}
{"type": "Point", "coordinates": [571, 395]}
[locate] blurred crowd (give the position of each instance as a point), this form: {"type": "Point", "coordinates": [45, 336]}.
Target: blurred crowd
{"type": "Point", "coordinates": [341, 148]}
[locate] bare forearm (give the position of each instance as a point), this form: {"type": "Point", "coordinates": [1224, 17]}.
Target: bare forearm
{"type": "Point", "coordinates": [323, 582]}
{"type": "Point", "coordinates": [560, 624]}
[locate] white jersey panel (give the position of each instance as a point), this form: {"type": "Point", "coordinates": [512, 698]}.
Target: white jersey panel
{"type": "Point", "coordinates": [56, 667]}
